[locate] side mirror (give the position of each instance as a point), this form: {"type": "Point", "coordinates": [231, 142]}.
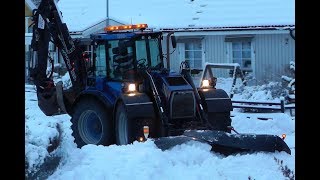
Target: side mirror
{"type": "Point", "coordinates": [173, 41]}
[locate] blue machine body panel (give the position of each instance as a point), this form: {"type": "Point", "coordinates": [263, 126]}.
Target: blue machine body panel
{"type": "Point", "coordinates": [107, 91]}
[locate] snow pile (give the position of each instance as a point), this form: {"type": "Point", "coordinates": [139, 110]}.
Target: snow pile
{"type": "Point", "coordinates": [187, 161]}
{"type": "Point", "coordinates": [41, 132]}
{"type": "Point", "coordinates": [278, 123]}
{"type": "Point", "coordinates": [291, 80]}
{"type": "Point", "coordinates": [270, 91]}
{"type": "Point", "coordinates": [38, 131]}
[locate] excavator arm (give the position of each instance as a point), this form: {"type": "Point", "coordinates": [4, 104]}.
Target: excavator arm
{"type": "Point", "coordinates": [49, 27]}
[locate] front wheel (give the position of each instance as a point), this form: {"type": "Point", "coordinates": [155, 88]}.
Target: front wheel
{"type": "Point", "coordinates": [124, 127]}
{"type": "Point", "coordinates": [90, 124]}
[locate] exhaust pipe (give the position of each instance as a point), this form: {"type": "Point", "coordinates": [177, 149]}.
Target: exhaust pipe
{"type": "Point", "coordinates": [168, 49]}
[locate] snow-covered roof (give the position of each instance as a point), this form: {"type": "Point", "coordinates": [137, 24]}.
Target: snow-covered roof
{"type": "Point", "coordinates": [164, 14]}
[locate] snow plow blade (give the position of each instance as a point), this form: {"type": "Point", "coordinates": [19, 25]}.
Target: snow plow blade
{"type": "Point", "coordinates": [226, 143]}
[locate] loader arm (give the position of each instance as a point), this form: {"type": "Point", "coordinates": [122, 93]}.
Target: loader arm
{"type": "Point", "coordinates": [49, 27]}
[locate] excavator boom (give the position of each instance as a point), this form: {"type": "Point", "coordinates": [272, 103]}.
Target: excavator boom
{"type": "Point", "coordinates": [49, 27]}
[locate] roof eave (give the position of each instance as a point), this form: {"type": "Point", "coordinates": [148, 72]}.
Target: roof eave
{"type": "Point", "coordinates": [230, 28]}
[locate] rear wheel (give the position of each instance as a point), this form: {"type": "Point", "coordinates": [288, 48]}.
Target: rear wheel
{"type": "Point", "coordinates": [90, 124]}
{"type": "Point", "coordinates": [124, 127]}
{"type": "Point", "coordinates": [220, 121]}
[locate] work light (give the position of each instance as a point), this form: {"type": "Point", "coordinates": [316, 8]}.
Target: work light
{"type": "Point", "coordinates": [132, 88]}
{"type": "Point", "coordinates": [205, 83]}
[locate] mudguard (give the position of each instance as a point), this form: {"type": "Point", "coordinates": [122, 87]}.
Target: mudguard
{"type": "Point", "coordinates": [138, 106]}
{"type": "Point", "coordinates": [99, 95]}
{"type": "Point", "coordinates": [227, 143]}
{"type": "Point", "coordinates": [140, 112]}
{"type": "Point", "coordinates": [215, 100]}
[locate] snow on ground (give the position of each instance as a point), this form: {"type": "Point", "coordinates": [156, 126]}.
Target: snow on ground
{"type": "Point", "coordinates": [39, 130]}
{"type": "Point", "coordinates": [278, 124]}
{"type": "Point", "coordinates": [144, 161]}
{"type": "Point", "coordinates": [188, 161]}
{"type": "Point", "coordinates": [267, 92]}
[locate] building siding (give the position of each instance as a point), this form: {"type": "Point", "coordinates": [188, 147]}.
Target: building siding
{"type": "Point", "coordinates": [215, 50]}
{"type": "Point", "coordinates": [273, 53]}
{"type": "Point", "coordinates": [175, 55]}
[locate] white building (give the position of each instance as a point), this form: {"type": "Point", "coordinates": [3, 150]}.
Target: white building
{"type": "Point", "coordinates": [256, 34]}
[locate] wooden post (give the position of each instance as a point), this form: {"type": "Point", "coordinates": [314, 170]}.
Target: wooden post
{"type": "Point", "coordinates": [282, 104]}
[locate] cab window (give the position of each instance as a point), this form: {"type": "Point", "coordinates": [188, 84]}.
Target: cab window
{"type": "Point", "coordinates": [101, 68]}
{"type": "Point", "coordinates": [121, 59]}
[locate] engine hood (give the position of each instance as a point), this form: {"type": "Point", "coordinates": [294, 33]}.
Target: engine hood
{"type": "Point", "coordinates": [175, 82]}
{"type": "Point", "coordinates": [177, 95]}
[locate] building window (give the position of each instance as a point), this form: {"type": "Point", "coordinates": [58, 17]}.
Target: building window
{"type": "Point", "coordinates": [241, 53]}
{"type": "Point", "coordinates": [193, 54]}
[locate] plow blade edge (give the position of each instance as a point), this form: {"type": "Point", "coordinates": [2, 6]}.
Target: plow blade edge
{"type": "Point", "coordinates": [227, 143]}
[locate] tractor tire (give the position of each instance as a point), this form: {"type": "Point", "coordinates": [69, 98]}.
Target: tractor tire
{"type": "Point", "coordinates": [91, 124]}
{"type": "Point", "coordinates": [220, 121]}
{"type": "Point", "coordinates": [124, 127]}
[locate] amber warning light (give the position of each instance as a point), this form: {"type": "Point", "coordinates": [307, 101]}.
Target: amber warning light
{"type": "Point", "coordinates": [283, 136]}
{"type": "Point", "coordinates": [146, 131]}
{"type": "Point", "coordinates": [126, 27]}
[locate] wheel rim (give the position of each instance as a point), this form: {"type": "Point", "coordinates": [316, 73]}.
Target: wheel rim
{"type": "Point", "coordinates": [123, 129]}
{"type": "Point", "coordinates": [90, 127]}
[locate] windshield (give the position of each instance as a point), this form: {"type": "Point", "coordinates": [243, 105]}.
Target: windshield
{"type": "Point", "coordinates": [149, 58]}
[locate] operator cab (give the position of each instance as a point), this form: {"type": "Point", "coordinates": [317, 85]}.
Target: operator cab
{"type": "Point", "coordinates": [119, 55]}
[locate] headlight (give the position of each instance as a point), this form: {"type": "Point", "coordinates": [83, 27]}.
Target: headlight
{"type": "Point", "coordinates": [132, 88]}
{"type": "Point", "coordinates": [129, 88]}
{"type": "Point", "coordinates": [205, 83]}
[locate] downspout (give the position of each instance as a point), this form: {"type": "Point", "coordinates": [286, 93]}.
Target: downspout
{"type": "Point", "coordinates": [291, 34]}
{"type": "Point", "coordinates": [168, 49]}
